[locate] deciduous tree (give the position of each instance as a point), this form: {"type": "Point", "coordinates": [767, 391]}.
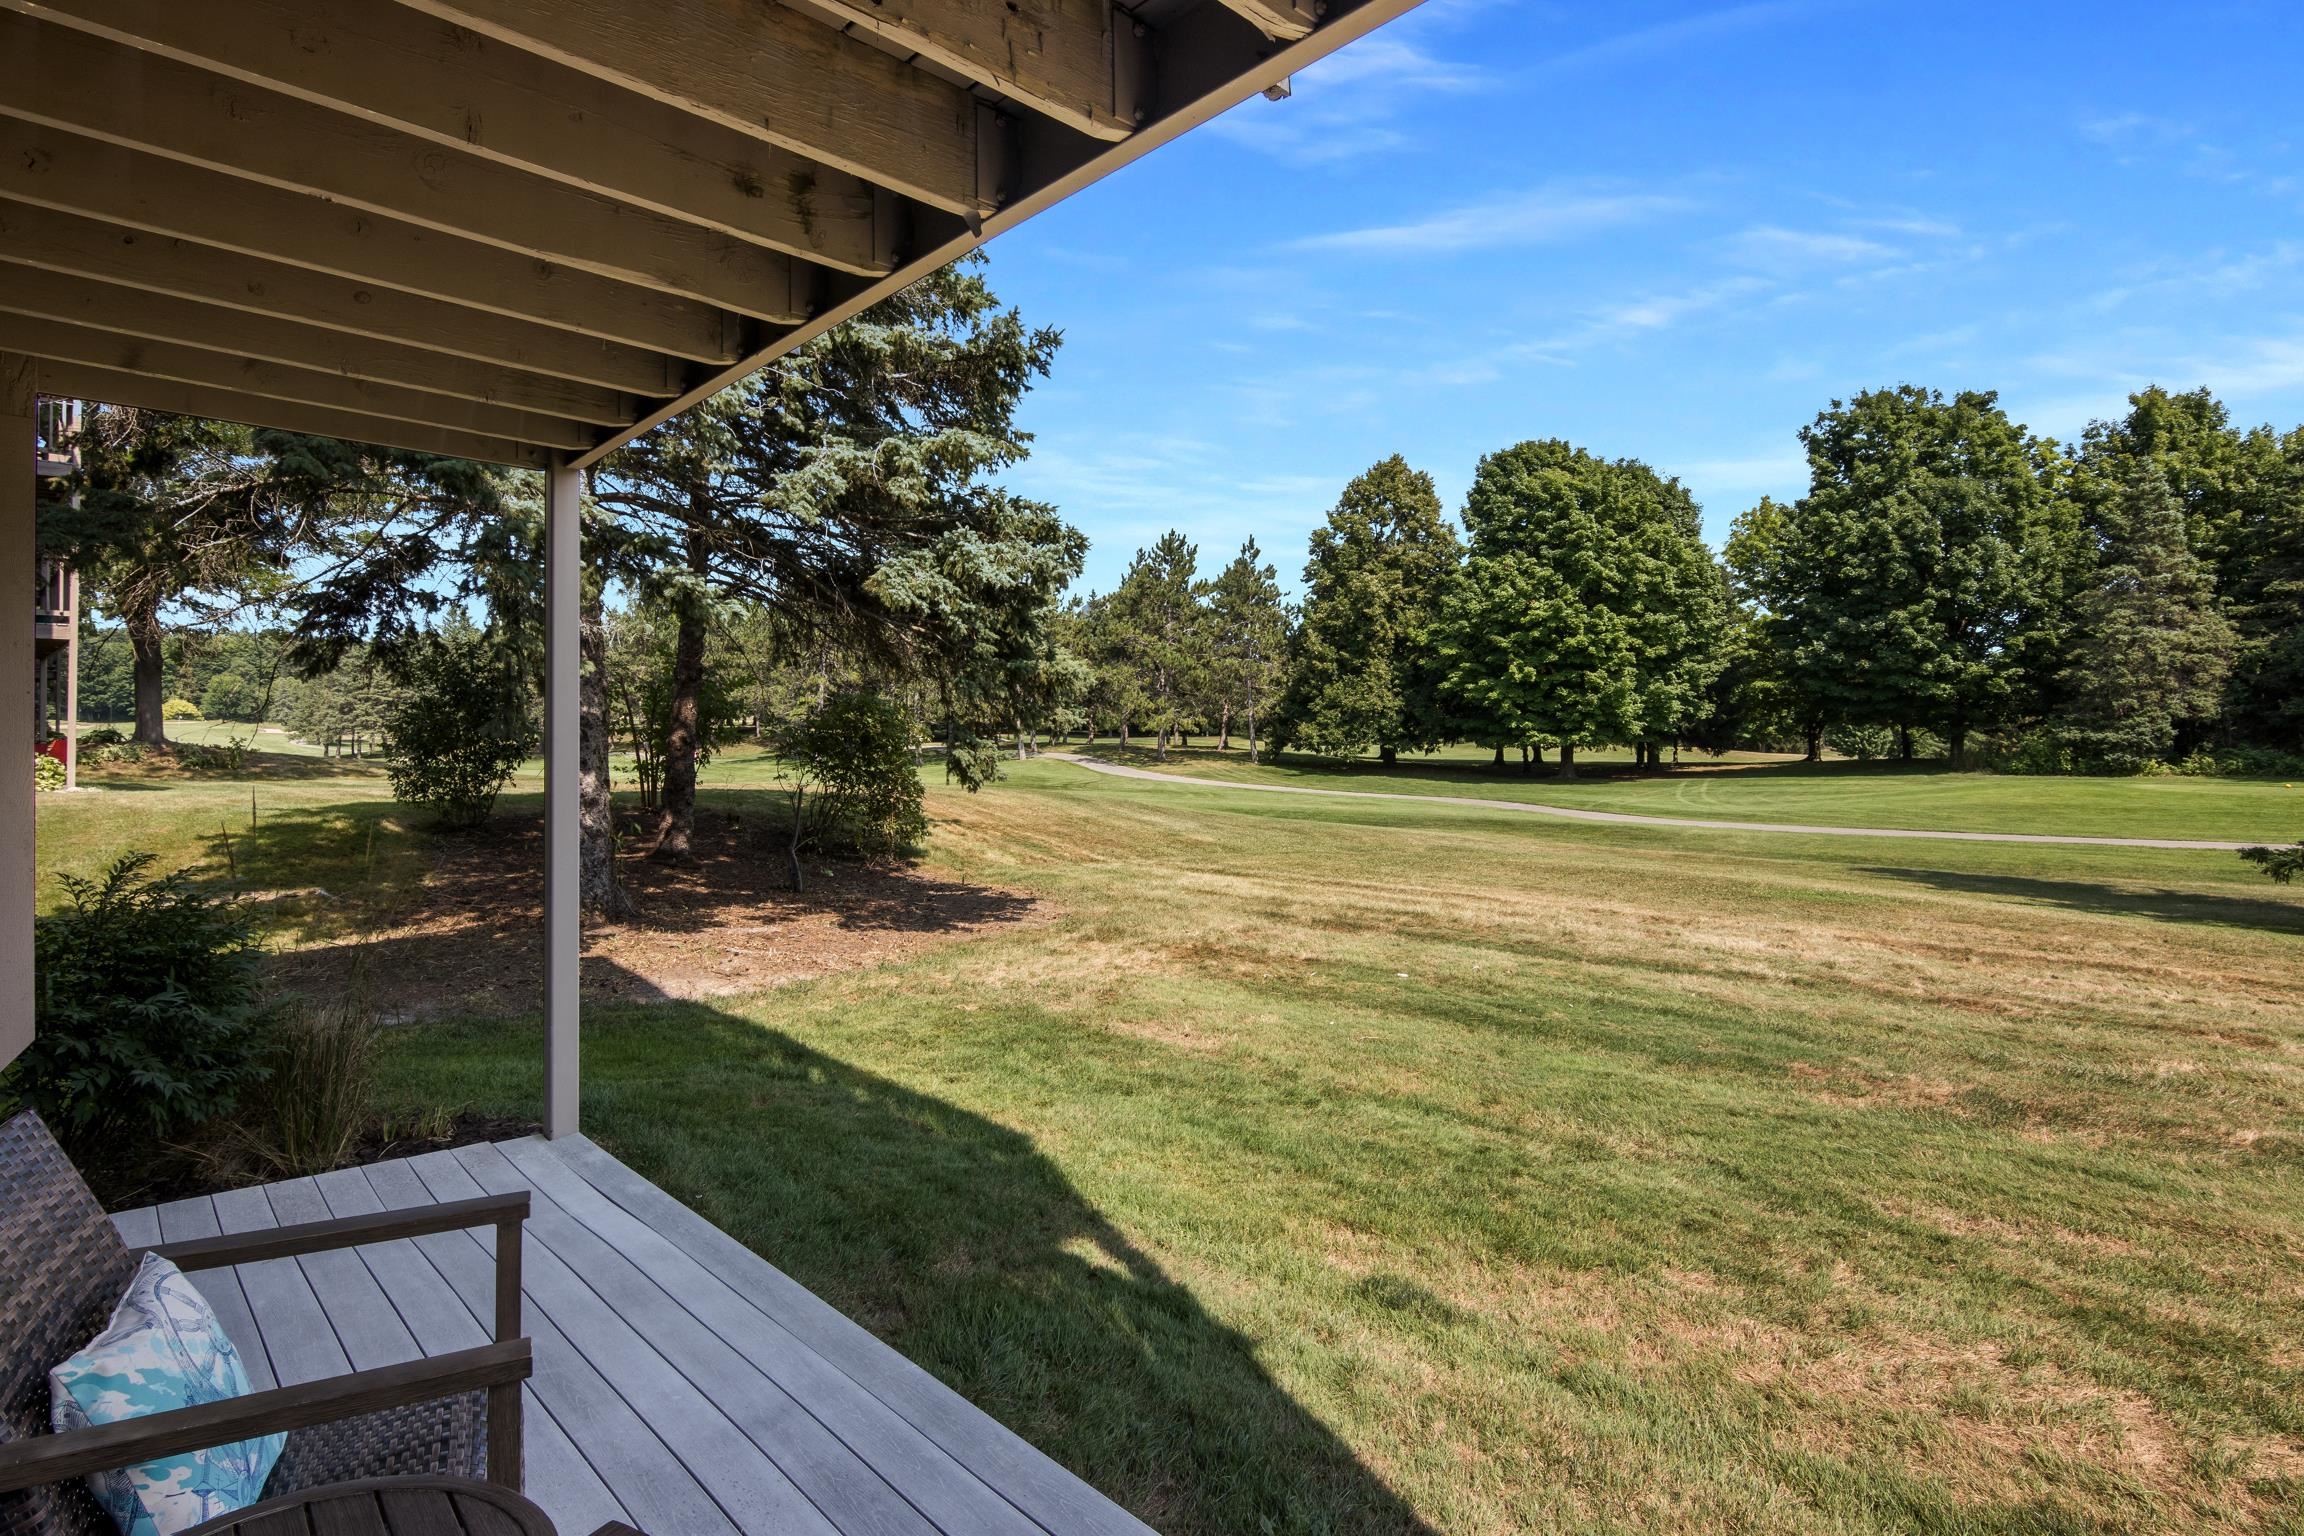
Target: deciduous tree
{"type": "Point", "coordinates": [1590, 610]}
{"type": "Point", "coordinates": [1363, 671]}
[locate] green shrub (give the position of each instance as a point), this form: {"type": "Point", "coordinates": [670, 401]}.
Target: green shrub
{"type": "Point", "coordinates": [2236, 763]}
{"type": "Point", "coordinates": [1861, 742]}
{"type": "Point", "coordinates": [113, 752]}
{"type": "Point", "coordinates": [212, 757]}
{"type": "Point", "coordinates": [179, 709]}
{"type": "Point", "coordinates": [146, 1007]}
{"type": "Point", "coordinates": [102, 736]}
{"type": "Point", "coordinates": [47, 773]}
{"type": "Point", "coordinates": [855, 790]}
{"type": "Point", "coordinates": [459, 727]}
{"type": "Point", "coordinates": [2021, 752]}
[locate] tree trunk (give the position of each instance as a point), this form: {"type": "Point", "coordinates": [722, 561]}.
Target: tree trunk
{"type": "Point", "coordinates": [1251, 730]}
{"type": "Point", "coordinates": [1567, 759]}
{"type": "Point", "coordinates": [600, 892]}
{"type": "Point", "coordinates": [1527, 761]}
{"type": "Point", "coordinates": [1388, 756]}
{"type": "Point", "coordinates": [1224, 734]}
{"type": "Point", "coordinates": [145, 639]}
{"type": "Point", "coordinates": [1123, 730]}
{"type": "Point", "coordinates": [1499, 754]}
{"type": "Point", "coordinates": [1020, 752]}
{"type": "Point", "coordinates": [1815, 741]}
{"type": "Point", "coordinates": [1162, 753]}
{"type": "Point", "coordinates": [1956, 739]}
{"type": "Point", "coordinates": [1904, 743]}
{"type": "Point", "coordinates": [676, 822]}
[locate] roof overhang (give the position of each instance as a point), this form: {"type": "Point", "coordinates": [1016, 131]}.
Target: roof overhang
{"type": "Point", "coordinates": [527, 230]}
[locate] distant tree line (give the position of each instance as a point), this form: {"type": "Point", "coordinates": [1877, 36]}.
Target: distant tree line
{"type": "Point", "coordinates": [2135, 599]}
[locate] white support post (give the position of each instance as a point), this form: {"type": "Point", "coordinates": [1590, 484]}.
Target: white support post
{"type": "Point", "coordinates": [563, 914]}
{"type": "Point", "coordinates": [72, 683]}
{"type": "Point", "coordinates": [19, 875]}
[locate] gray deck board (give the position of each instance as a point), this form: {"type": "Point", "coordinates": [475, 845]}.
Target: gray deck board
{"type": "Point", "coordinates": [683, 1384]}
{"type": "Point", "coordinates": [1053, 1496]}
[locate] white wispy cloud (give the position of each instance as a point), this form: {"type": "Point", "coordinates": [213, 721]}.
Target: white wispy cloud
{"type": "Point", "coordinates": [1773, 248]}
{"type": "Point", "coordinates": [1539, 217]}
{"type": "Point", "coordinates": [1349, 104]}
{"type": "Point", "coordinates": [1670, 36]}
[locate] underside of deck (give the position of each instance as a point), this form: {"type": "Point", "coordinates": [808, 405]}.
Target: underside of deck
{"type": "Point", "coordinates": [683, 1384]}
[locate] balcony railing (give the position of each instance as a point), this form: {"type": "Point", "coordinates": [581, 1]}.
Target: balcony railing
{"type": "Point", "coordinates": [56, 444]}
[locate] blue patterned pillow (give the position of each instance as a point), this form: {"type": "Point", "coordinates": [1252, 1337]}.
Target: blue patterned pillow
{"type": "Point", "coordinates": [163, 1349]}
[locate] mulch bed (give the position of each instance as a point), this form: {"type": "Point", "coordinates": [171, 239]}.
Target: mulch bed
{"type": "Point", "coordinates": [727, 921]}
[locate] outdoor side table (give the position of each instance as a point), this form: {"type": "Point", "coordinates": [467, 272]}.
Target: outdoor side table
{"type": "Point", "coordinates": [388, 1506]}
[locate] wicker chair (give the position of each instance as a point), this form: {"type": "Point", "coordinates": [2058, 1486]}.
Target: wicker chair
{"type": "Point", "coordinates": [62, 1269]}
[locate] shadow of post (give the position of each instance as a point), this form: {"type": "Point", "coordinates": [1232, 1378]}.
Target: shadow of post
{"type": "Point", "coordinates": [958, 1242]}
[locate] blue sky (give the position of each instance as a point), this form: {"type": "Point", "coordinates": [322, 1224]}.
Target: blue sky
{"type": "Point", "coordinates": [1670, 231]}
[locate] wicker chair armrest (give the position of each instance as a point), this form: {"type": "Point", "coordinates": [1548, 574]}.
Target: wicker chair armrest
{"type": "Point", "coordinates": [344, 1232]}
{"type": "Point", "coordinates": [76, 1453]}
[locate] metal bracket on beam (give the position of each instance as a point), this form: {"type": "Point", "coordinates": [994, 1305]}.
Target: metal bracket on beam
{"type": "Point", "coordinates": [999, 160]}
{"type": "Point", "coordinates": [1135, 82]}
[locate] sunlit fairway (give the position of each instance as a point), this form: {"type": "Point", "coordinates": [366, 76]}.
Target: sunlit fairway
{"type": "Point", "coordinates": [1747, 786]}
{"type": "Point", "coordinates": [1345, 1165]}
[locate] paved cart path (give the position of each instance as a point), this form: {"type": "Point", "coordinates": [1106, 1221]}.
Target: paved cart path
{"type": "Point", "coordinates": [1118, 770]}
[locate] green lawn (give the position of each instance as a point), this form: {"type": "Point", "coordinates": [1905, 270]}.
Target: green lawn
{"type": "Point", "coordinates": [1350, 1166]}
{"type": "Point", "coordinates": [1743, 787]}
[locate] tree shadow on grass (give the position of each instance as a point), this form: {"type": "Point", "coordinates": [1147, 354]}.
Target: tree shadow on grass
{"type": "Point", "coordinates": [471, 937]}
{"type": "Point", "coordinates": [955, 1240]}
{"type": "Point", "coordinates": [2162, 905]}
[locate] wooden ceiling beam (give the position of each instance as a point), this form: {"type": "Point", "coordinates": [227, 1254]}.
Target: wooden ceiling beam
{"type": "Point", "coordinates": [1071, 60]}
{"type": "Point", "coordinates": [124, 186]}
{"type": "Point", "coordinates": [1286, 20]}
{"type": "Point", "coordinates": [766, 70]}
{"type": "Point", "coordinates": [79, 381]}
{"type": "Point", "coordinates": [63, 342]}
{"type": "Point", "coordinates": [473, 94]}
{"type": "Point", "coordinates": [56, 241]}
{"type": "Point", "coordinates": [162, 317]}
{"type": "Point", "coordinates": [93, 86]}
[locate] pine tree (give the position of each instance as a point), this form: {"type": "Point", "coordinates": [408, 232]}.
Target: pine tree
{"type": "Point", "coordinates": [1590, 610]}
{"type": "Point", "coordinates": [845, 487]}
{"type": "Point", "coordinates": [1248, 625]}
{"type": "Point", "coordinates": [2150, 646]}
{"type": "Point", "coordinates": [1362, 672]}
{"type": "Point", "coordinates": [1160, 624]}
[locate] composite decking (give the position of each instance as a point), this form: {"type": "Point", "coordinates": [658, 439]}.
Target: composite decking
{"type": "Point", "coordinates": [683, 1383]}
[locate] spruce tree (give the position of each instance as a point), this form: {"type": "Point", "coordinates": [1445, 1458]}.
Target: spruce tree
{"type": "Point", "coordinates": [1248, 628]}
{"type": "Point", "coordinates": [2150, 647]}
{"type": "Point", "coordinates": [1159, 625]}
{"type": "Point", "coordinates": [1361, 674]}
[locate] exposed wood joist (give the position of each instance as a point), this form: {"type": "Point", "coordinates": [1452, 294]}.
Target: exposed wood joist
{"type": "Point", "coordinates": [60, 341]}
{"type": "Point", "coordinates": [66, 242]}
{"type": "Point", "coordinates": [472, 93]}
{"type": "Point", "coordinates": [164, 317]}
{"type": "Point", "coordinates": [79, 381]}
{"type": "Point", "coordinates": [1209, 60]}
{"type": "Point", "coordinates": [769, 71]}
{"type": "Point", "coordinates": [1072, 60]}
{"type": "Point", "coordinates": [93, 86]}
{"type": "Point", "coordinates": [123, 186]}
{"type": "Point", "coordinates": [1284, 19]}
